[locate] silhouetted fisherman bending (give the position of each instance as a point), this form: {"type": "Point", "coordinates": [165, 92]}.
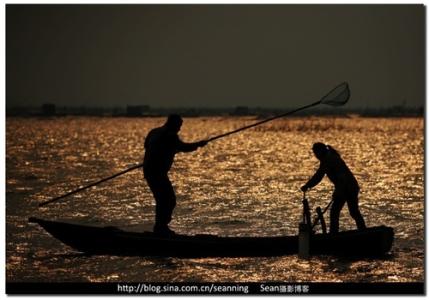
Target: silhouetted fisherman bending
{"type": "Point", "coordinates": [346, 185]}
{"type": "Point", "coordinates": [161, 145]}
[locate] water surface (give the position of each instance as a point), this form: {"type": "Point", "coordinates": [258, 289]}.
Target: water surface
{"type": "Point", "coordinates": [246, 184]}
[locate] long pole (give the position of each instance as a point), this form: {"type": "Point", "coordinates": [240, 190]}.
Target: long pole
{"type": "Point", "coordinates": [90, 185]}
{"type": "Point", "coordinates": [263, 121]}
{"type": "Point", "coordinates": [209, 140]}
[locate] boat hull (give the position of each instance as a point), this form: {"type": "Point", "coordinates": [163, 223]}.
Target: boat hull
{"type": "Point", "coordinates": [374, 241]}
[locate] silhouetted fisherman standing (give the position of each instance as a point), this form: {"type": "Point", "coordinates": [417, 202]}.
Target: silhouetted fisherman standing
{"type": "Point", "coordinates": [161, 145]}
{"type": "Point", "coordinates": [346, 185]}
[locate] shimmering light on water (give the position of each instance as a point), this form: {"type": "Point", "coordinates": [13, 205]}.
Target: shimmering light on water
{"type": "Point", "coordinates": [243, 185]}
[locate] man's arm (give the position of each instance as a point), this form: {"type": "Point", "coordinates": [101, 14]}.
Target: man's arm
{"type": "Point", "coordinates": [189, 147]}
{"type": "Point", "coordinates": [317, 177]}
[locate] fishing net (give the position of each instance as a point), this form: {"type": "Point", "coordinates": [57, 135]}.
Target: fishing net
{"type": "Point", "coordinates": [338, 96]}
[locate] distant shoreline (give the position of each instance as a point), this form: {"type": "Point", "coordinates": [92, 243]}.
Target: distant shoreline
{"type": "Point", "coordinates": [240, 111]}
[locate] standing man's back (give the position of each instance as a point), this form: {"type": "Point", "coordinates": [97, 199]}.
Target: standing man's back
{"type": "Point", "coordinates": [160, 149]}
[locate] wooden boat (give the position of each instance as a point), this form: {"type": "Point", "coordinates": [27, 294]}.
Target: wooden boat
{"type": "Point", "coordinates": [374, 241]}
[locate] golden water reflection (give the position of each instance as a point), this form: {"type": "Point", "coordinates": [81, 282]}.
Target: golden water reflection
{"type": "Point", "coordinates": [246, 184]}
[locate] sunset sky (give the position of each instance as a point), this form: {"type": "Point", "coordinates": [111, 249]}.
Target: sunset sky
{"type": "Point", "coordinates": [214, 55]}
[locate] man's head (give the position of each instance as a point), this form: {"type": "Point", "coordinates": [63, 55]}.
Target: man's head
{"type": "Point", "coordinates": [320, 150]}
{"type": "Point", "coordinates": [174, 123]}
